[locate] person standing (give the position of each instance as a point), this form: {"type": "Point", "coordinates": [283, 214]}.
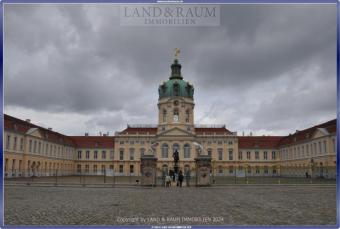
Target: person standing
{"type": "Point", "coordinates": [180, 178]}
{"type": "Point", "coordinates": [167, 181]}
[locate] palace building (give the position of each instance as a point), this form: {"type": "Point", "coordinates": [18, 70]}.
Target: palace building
{"type": "Point", "coordinates": [33, 150]}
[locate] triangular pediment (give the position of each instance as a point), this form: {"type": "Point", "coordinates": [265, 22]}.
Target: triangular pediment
{"type": "Point", "coordinates": [176, 132]}
{"type": "Point", "coordinates": [320, 132]}
{"type": "Point", "coordinates": [34, 132]}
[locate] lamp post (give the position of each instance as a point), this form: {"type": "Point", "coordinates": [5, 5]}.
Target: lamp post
{"type": "Point", "coordinates": [311, 169]}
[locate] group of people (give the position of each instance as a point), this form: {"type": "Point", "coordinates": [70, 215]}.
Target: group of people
{"type": "Point", "coordinates": [174, 177]}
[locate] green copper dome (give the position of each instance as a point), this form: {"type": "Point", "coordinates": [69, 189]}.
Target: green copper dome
{"type": "Point", "coordinates": [176, 86]}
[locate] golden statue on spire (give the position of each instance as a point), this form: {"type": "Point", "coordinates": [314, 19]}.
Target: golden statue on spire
{"type": "Point", "coordinates": [177, 51]}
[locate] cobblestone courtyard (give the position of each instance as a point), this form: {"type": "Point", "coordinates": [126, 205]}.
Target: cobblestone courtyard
{"type": "Point", "coordinates": [232, 205]}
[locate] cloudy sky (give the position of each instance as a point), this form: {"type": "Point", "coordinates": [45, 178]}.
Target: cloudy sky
{"type": "Point", "coordinates": [269, 69]}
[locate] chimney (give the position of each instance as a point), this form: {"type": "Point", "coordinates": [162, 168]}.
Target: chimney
{"type": "Point", "coordinates": [107, 134]}
{"type": "Point", "coordinates": [50, 128]}
{"type": "Point", "coordinates": [86, 134]}
{"type": "Point", "coordinates": [28, 120]}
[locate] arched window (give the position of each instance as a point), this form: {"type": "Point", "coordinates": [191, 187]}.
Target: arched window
{"type": "Point", "coordinates": [176, 115]}
{"type": "Point", "coordinates": [187, 116]}
{"type": "Point", "coordinates": [186, 150]}
{"type": "Point", "coordinates": [164, 115]}
{"type": "Point", "coordinates": [186, 168]}
{"type": "Point", "coordinates": [165, 150]}
{"type": "Point", "coordinates": [176, 89]}
{"type": "Point", "coordinates": [165, 169]}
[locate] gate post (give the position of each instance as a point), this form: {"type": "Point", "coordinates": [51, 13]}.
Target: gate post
{"type": "Point", "coordinates": [148, 170]}
{"type": "Point", "coordinates": [203, 168]}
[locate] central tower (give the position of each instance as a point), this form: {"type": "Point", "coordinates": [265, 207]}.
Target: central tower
{"type": "Point", "coordinates": [176, 102]}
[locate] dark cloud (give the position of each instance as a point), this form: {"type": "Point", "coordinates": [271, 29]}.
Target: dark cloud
{"type": "Point", "coordinates": [251, 73]}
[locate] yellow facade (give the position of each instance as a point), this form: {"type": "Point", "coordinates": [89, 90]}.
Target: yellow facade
{"type": "Point", "coordinates": [33, 150]}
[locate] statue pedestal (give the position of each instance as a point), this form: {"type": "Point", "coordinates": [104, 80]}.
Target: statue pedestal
{"type": "Point", "coordinates": [148, 170]}
{"type": "Point", "coordinates": [203, 168]}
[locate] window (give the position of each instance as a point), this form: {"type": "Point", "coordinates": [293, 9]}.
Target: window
{"type": "Point", "coordinates": [176, 115]}
{"type": "Point", "coordinates": [249, 169]}
{"type": "Point", "coordinates": [79, 154]}
{"type": "Point", "coordinates": [265, 155]}
{"type": "Point", "coordinates": [142, 152]}
{"type": "Point", "coordinates": [219, 142]}
{"type": "Point", "coordinates": [315, 152]}
{"type": "Point", "coordinates": [103, 169]}
{"type": "Point", "coordinates": [121, 142]}
{"type": "Point", "coordinates": [132, 154]}
{"type": "Point", "coordinates": [112, 154]}
{"type": "Point", "coordinates": [121, 154]}
{"type": "Point", "coordinates": [121, 168]}
{"type": "Point", "coordinates": [111, 167]}
{"type": "Point", "coordinates": [220, 154]}
{"type": "Point", "coordinates": [30, 146]}
{"type": "Point", "coordinates": [231, 169]}
{"type": "Point", "coordinates": [240, 155]}
{"type": "Point", "coordinates": [132, 169]}
{"type": "Point", "coordinates": [333, 145]}
{"type": "Point", "coordinates": [248, 155]}
{"type": "Point", "coordinates": [103, 154]}
{"type": "Point", "coordinates": [220, 169]}
{"type": "Point", "coordinates": [274, 170]}
{"type": "Point", "coordinates": [87, 154]}
{"type": "Point", "coordinates": [39, 147]}
{"type": "Point", "coordinates": [230, 142]}
{"type": "Point", "coordinates": [302, 151]}
{"type": "Point", "coordinates": [324, 147]}
{"type": "Point", "coordinates": [15, 143]}
{"type": "Point", "coordinates": [21, 144]}
{"type": "Point", "coordinates": [307, 150]}
{"type": "Point", "coordinates": [266, 170]}
{"type": "Point", "coordinates": [95, 168]}
{"type": "Point", "coordinates": [210, 152]}
{"type": "Point", "coordinates": [95, 154]}
{"type": "Point", "coordinates": [164, 169]}
{"type": "Point", "coordinates": [187, 116]}
{"type": "Point", "coordinates": [78, 168]}
{"type": "Point", "coordinates": [187, 151]}
{"type": "Point", "coordinates": [257, 170]}
{"type": "Point", "coordinates": [35, 147]}
{"type": "Point", "coordinates": [257, 155]}
{"type": "Point", "coordinates": [8, 141]}
{"type": "Point", "coordinates": [273, 155]}
{"type": "Point", "coordinates": [320, 151]}
{"type": "Point", "coordinates": [230, 154]}
{"type": "Point", "coordinates": [87, 168]}
{"type": "Point", "coordinates": [165, 150]}
{"type": "Point", "coordinates": [164, 115]}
